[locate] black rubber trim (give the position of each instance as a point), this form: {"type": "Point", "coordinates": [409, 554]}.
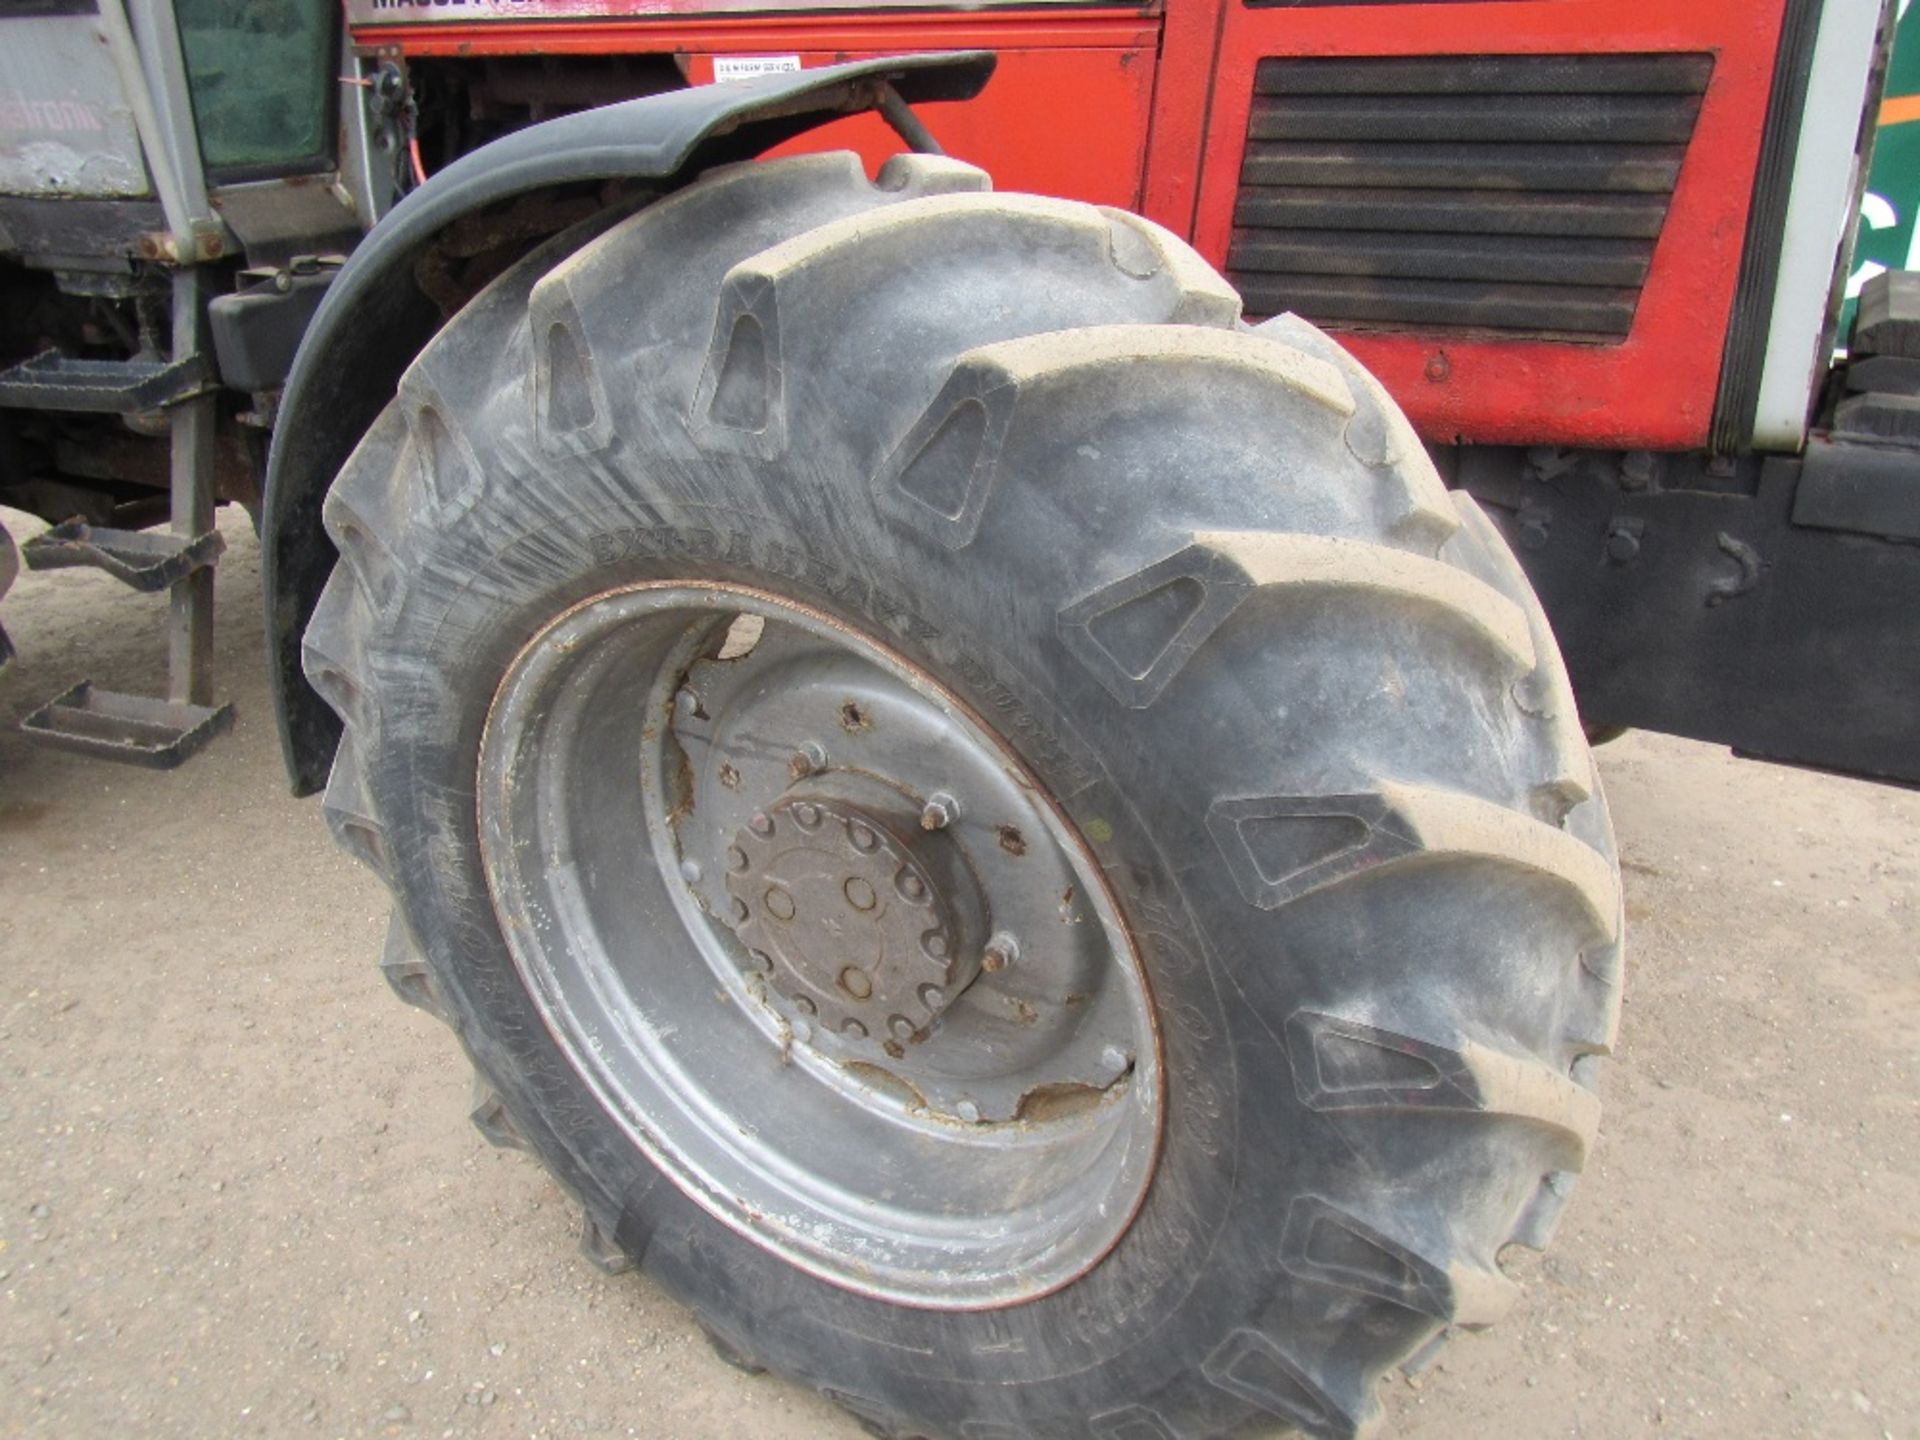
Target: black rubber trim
{"type": "Point", "coordinates": [1871, 490]}
{"type": "Point", "coordinates": [1674, 72]}
{"type": "Point", "coordinates": [376, 318]}
{"type": "Point", "coordinates": [1765, 605]}
{"type": "Point", "coordinates": [1744, 357]}
{"type": "Point", "coordinates": [33, 9]}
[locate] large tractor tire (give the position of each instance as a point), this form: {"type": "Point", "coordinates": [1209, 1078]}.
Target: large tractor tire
{"type": "Point", "coordinates": [998, 828]}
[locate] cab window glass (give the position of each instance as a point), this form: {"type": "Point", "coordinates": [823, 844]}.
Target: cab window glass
{"type": "Point", "coordinates": [262, 77]}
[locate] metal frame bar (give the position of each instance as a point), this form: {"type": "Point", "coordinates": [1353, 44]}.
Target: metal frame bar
{"type": "Point", "coordinates": [190, 598]}
{"type": "Point", "coordinates": [155, 82]}
{"type": "Point", "coordinates": [358, 162]}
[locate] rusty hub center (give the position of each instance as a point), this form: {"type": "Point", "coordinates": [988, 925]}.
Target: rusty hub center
{"type": "Point", "coordinates": [847, 919]}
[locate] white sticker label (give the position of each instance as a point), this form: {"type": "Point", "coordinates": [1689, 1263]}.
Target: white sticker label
{"type": "Point", "coordinates": [745, 67]}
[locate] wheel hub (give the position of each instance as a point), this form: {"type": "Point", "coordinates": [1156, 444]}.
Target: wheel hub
{"type": "Point", "coordinates": [860, 992]}
{"type": "Point", "coordinates": [840, 906]}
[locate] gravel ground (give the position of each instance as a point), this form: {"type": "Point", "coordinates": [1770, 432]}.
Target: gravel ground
{"type": "Point", "coordinates": [240, 1197]}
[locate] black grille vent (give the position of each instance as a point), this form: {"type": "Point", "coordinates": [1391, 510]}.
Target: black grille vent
{"type": "Point", "coordinates": [1519, 194]}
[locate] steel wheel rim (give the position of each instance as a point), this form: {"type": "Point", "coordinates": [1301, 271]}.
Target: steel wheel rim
{"type": "Point", "coordinates": [635, 801]}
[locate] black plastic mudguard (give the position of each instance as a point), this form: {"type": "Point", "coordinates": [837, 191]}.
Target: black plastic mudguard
{"type": "Point", "coordinates": [376, 318]}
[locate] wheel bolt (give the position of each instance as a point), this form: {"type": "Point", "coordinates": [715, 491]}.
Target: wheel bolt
{"type": "Point", "coordinates": [804, 1004]}
{"type": "Point", "coordinates": [762, 823]}
{"type": "Point", "coordinates": [762, 961]}
{"type": "Point", "coordinates": [807, 815]}
{"type": "Point", "coordinates": [940, 811]}
{"type": "Point", "coordinates": [806, 760]}
{"type": "Point", "coordinates": [934, 942]}
{"type": "Point", "coordinates": [912, 886]}
{"type": "Point", "coordinates": [968, 1111]}
{"type": "Point", "coordinates": [854, 1030]}
{"type": "Point", "coordinates": [736, 859]}
{"type": "Point", "coordinates": [861, 836]}
{"type": "Point", "coordinates": [1002, 950]}
{"type": "Point", "coordinates": [901, 1027]}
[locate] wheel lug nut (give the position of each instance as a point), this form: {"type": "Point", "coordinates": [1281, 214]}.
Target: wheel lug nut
{"type": "Point", "coordinates": [804, 1005]}
{"type": "Point", "coordinates": [932, 996]}
{"type": "Point", "coordinates": [736, 859]}
{"type": "Point", "coordinates": [808, 816]}
{"type": "Point", "coordinates": [856, 983]}
{"type": "Point", "coordinates": [862, 837]}
{"type": "Point", "coordinates": [940, 811]}
{"type": "Point", "coordinates": [806, 760]}
{"type": "Point", "coordinates": [934, 942]}
{"type": "Point", "coordinates": [912, 886]}
{"type": "Point", "coordinates": [968, 1111]}
{"type": "Point", "coordinates": [1002, 950]}
{"type": "Point", "coordinates": [762, 961]}
{"type": "Point", "coordinates": [854, 1030]}
{"type": "Point", "coordinates": [900, 1027]}
{"type": "Point", "coordinates": [761, 823]}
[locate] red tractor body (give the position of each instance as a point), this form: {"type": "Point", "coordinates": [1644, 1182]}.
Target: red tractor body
{"type": "Point", "coordinates": [1528, 218]}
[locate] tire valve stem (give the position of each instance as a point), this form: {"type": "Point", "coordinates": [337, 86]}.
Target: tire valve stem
{"type": "Point", "coordinates": [940, 811]}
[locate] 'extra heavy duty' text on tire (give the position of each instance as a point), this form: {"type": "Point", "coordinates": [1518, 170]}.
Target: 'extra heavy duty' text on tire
{"type": "Point", "coordinates": [998, 828]}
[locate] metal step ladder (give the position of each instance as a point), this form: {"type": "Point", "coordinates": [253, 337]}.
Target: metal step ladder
{"type": "Point", "coordinates": [143, 730]}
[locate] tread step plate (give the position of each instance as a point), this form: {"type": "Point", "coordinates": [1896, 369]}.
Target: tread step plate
{"type": "Point", "coordinates": [52, 381]}
{"type": "Point", "coordinates": [135, 729]}
{"type": "Point", "coordinates": [146, 560]}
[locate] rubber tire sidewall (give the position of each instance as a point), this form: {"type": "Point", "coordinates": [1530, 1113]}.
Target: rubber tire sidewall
{"type": "Point", "coordinates": [1118, 1330]}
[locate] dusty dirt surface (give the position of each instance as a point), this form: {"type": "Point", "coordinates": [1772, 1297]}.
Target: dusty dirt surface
{"type": "Point", "coordinates": [240, 1196]}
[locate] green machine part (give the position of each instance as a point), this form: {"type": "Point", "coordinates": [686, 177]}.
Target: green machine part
{"type": "Point", "coordinates": [1886, 238]}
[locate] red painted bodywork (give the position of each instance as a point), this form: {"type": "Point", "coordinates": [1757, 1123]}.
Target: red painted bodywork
{"type": "Point", "coordinates": [1138, 108]}
{"type": "Point", "coordinates": [1656, 388]}
{"type": "Point", "coordinates": [1055, 64]}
